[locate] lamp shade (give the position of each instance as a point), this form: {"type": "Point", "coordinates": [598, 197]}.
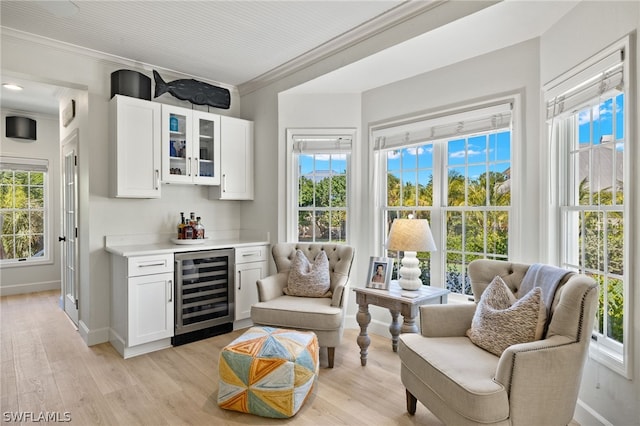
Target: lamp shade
{"type": "Point", "coordinates": [411, 235]}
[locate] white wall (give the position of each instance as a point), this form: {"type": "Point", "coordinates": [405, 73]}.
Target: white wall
{"type": "Point", "coordinates": [589, 28]}
{"type": "Point", "coordinates": [100, 215]}
{"type": "Point", "coordinates": [335, 111]}
{"type": "Point", "coordinates": [24, 279]}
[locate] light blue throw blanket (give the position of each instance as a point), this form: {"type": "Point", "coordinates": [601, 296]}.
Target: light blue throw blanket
{"type": "Point", "coordinates": [547, 277]}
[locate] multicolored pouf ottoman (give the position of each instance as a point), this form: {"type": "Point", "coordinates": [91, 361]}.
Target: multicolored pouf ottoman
{"type": "Point", "coordinates": [268, 371]}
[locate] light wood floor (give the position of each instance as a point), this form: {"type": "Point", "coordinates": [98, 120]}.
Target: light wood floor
{"type": "Point", "coordinates": [47, 368]}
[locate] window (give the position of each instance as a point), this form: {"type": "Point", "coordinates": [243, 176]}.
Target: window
{"type": "Point", "coordinates": [477, 203]}
{"type": "Point", "coordinates": [588, 121]}
{"type": "Point", "coordinates": [320, 187]}
{"type": "Point", "coordinates": [23, 211]}
{"type": "Point", "coordinates": [455, 171]}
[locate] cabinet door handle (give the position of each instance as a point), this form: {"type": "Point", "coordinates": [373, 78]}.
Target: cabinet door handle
{"type": "Point", "coordinates": [197, 173]}
{"type": "Point", "coordinates": [224, 183]}
{"type": "Point", "coordinates": [253, 253]}
{"type": "Point", "coordinates": [189, 166]}
{"type": "Point", "coordinates": [157, 179]}
{"type": "Point", "coordinates": [170, 282]}
{"type": "Point", "coordinates": [239, 280]}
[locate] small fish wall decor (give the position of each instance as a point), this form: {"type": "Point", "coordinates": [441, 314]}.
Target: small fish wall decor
{"type": "Point", "coordinates": [194, 91]}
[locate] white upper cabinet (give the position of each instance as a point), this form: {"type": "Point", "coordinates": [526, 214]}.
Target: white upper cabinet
{"type": "Point", "coordinates": [190, 146]}
{"type": "Point", "coordinates": [134, 148]}
{"type": "Point", "coordinates": [236, 137]}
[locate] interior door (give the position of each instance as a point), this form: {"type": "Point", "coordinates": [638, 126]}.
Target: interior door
{"type": "Point", "coordinates": [69, 238]}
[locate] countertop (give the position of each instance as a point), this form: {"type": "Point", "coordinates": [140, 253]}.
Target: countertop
{"type": "Point", "coordinates": [143, 245]}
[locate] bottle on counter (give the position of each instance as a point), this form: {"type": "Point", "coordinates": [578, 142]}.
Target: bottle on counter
{"type": "Point", "coordinates": [189, 231]}
{"type": "Point", "coordinates": [192, 222]}
{"type": "Point", "coordinates": [181, 227]}
{"type": "Point", "coordinates": [199, 228]}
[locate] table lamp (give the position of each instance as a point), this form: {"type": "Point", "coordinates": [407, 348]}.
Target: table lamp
{"type": "Point", "coordinates": [410, 235]}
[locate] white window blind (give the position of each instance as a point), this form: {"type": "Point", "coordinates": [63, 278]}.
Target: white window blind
{"type": "Point", "coordinates": [319, 145]}
{"type": "Point", "coordinates": [23, 164]}
{"type": "Point", "coordinates": [569, 94]}
{"type": "Point", "coordinates": [450, 125]}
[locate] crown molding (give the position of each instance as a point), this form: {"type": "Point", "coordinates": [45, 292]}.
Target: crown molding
{"type": "Point", "coordinates": [401, 13]}
{"type": "Point", "coordinates": [106, 58]}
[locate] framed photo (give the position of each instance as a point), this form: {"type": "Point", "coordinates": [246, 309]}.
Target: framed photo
{"type": "Point", "coordinates": [379, 275]}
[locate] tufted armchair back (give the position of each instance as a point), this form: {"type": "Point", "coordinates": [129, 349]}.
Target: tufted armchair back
{"type": "Point", "coordinates": [483, 271]}
{"type": "Point", "coordinates": [340, 259]}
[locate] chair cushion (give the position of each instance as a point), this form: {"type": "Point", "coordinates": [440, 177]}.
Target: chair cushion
{"type": "Point", "coordinates": [313, 313]}
{"type": "Point", "coordinates": [308, 279]}
{"type": "Point", "coordinates": [460, 372]}
{"type": "Point", "coordinates": [501, 320]}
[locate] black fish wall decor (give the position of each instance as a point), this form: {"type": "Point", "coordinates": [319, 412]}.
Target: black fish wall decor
{"type": "Point", "coordinates": [194, 91]}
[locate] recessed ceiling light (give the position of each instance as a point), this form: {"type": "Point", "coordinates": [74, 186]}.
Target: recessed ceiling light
{"type": "Point", "coordinates": [11, 86]}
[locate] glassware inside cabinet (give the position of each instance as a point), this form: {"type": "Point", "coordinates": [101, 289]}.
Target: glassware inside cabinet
{"type": "Point", "coordinates": [178, 144]}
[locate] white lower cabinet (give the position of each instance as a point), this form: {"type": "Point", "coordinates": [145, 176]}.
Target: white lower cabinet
{"type": "Point", "coordinates": [251, 265]}
{"type": "Point", "coordinates": [142, 311]}
{"type": "Point", "coordinates": [150, 308]}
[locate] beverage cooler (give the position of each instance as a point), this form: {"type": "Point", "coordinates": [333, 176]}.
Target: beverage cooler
{"type": "Point", "coordinates": [204, 299]}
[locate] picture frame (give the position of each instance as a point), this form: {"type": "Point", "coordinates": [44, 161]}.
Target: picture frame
{"type": "Point", "coordinates": [379, 275]}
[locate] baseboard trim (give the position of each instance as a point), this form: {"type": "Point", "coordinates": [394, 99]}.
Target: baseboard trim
{"type": "Point", "coordinates": [93, 337]}
{"type": "Point", "coordinates": [10, 290]}
{"type": "Point", "coordinates": [587, 416]}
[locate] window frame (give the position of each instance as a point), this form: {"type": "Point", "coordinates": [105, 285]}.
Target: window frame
{"type": "Point", "coordinates": [29, 165]}
{"type": "Point", "coordinates": [292, 178]}
{"type": "Point", "coordinates": [561, 128]}
{"type": "Point", "coordinates": [437, 212]}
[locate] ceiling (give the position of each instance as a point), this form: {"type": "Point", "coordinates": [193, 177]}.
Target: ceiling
{"type": "Point", "coordinates": [236, 42]}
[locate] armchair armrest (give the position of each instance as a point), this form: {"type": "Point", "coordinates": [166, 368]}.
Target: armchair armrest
{"type": "Point", "coordinates": [538, 360]}
{"type": "Point", "coordinates": [271, 287]}
{"type": "Point", "coordinates": [338, 291]}
{"type": "Point", "coordinates": [551, 367]}
{"type": "Point", "coordinates": [446, 320]}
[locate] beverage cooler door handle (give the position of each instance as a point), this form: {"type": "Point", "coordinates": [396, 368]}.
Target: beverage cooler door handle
{"type": "Point", "coordinates": [170, 282]}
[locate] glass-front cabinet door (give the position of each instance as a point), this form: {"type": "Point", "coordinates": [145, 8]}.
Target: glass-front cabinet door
{"type": "Point", "coordinates": [190, 146]}
{"type": "Point", "coordinates": [207, 141]}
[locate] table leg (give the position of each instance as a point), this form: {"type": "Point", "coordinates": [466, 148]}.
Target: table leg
{"type": "Point", "coordinates": [394, 328]}
{"type": "Point", "coordinates": [364, 318]}
{"type": "Point", "coordinates": [409, 324]}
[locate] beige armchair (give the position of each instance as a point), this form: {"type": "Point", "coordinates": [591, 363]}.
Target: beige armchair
{"type": "Point", "coordinates": [322, 315]}
{"type": "Point", "coordinates": [534, 383]}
